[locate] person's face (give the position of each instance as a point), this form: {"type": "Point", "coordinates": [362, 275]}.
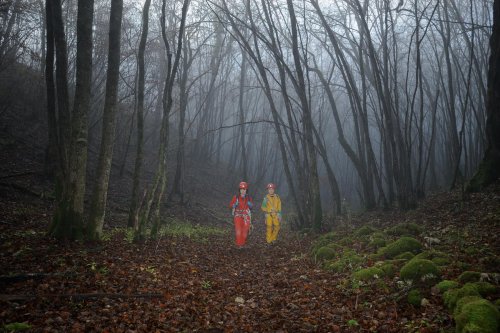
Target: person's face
{"type": "Point", "coordinates": [270, 190]}
{"type": "Point", "coordinates": [243, 191]}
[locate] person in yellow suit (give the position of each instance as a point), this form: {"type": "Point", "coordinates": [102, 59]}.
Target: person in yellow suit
{"type": "Point", "coordinates": [272, 207]}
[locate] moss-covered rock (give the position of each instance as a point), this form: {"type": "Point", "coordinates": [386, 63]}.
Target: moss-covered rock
{"type": "Point", "coordinates": [325, 253]}
{"type": "Point", "coordinates": [440, 261]}
{"type": "Point", "coordinates": [490, 263]}
{"type": "Point", "coordinates": [477, 315]}
{"type": "Point", "coordinates": [452, 296]}
{"type": "Point", "coordinates": [437, 257]}
{"type": "Point", "coordinates": [377, 242]}
{"type": "Point", "coordinates": [402, 245]}
{"type": "Point", "coordinates": [469, 276]}
{"type": "Point", "coordinates": [464, 300]}
{"type": "Point", "coordinates": [485, 288]}
{"type": "Point", "coordinates": [446, 285]}
{"type": "Point", "coordinates": [366, 274]}
{"type": "Point", "coordinates": [405, 229]}
{"type": "Point", "coordinates": [323, 240]}
{"type": "Point", "coordinates": [346, 241]}
{"type": "Point", "coordinates": [365, 230]}
{"type": "Point", "coordinates": [348, 261]}
{"type": "Point", "coordinates": [420, 271]}
{"type": "Point", "coordinates": [405, 256]}
{"type": "Point", "coordinates": [388, 269]}
{"type": "Point", "coordinates": [415, 297]}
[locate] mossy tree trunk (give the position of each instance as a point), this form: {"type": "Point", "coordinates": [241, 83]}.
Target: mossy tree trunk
{"type": "Point", "coordinates": [489, 170]}
{"type": "Point", "coordinates": [98, 202]}
{"type": "Point", "coordinates": [71, 126]}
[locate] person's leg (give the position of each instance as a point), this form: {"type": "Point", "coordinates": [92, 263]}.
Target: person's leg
{"type": "Point", "coordinates": [269, 228]}
{"type": "Point", "coordinates": [245, 229]}
{"type": "Point", "coordinates": [276, 228]}
{"type": "Point", "coordinates": [238, 228]}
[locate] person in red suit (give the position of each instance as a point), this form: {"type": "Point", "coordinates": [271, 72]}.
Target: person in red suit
{"type": "Point", "coordinates": [241, 206]}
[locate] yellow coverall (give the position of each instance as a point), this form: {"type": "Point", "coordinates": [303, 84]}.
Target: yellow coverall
{"type": "Point", "coordinates": [272, 207]}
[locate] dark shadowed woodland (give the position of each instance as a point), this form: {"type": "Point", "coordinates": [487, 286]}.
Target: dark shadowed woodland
{"type": "Point", "coordinates": [126, 127]}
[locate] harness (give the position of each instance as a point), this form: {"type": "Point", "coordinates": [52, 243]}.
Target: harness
{"type": "Point", "coordinates": [246, 214]}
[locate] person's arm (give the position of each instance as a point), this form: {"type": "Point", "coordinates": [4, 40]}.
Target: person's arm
{"type": "Point", "coordinates": [250, 202]}
{"type": "Point", "coordinates": [265, 206]}
{"type": "Point", "coordinates": [233, 204]}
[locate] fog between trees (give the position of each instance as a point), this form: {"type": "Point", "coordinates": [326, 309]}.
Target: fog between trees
{"type": "Point", "coordinates": [350, 103]}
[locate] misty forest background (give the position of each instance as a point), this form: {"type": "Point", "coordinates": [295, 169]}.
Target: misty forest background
{"type": "Point", "coordinates": [347, 105]}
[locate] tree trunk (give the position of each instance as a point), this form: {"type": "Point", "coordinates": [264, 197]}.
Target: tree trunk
{"type": "Point", "coordinates": [133, 217]}
{"type": "Point", "coordinates": [489, 170]}
{"type": "Point", "coordinates": [68, 219]}
{"type": "Point", "coordinates": [98, 202]}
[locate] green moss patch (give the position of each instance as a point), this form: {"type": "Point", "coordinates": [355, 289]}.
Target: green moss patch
{"type": "Point", "coordinates": [420, 270]}
{"type": "Point", "coordinates": [452, 296]}
{"type": "Point", "coordinates": [437, 257]}
{"type": "Point", "coordinates": [368, 274]}
{"type": "Point", "coordinates": [388, 269]}
{"type": "Point", "coordinates": [405, 229]}
{"type": "Point", "coordinates": [402, 245]}
{"type": "Point", "coordinates": [347, 262]}
{"type": "Point", "coordinates": [365, 230]}
{"type": "Point", "coordinates": [477, 315]}
{"type": "Point", "coordinates": [325, 253]}
{"type": "Point", "coordinates": [415, 297]}
{"type": "Point", "coordinates": [446, 285]}
{"type": "Point", "coordinates": [405, 256]}
{"type": "Point", "coordinates": [469, 276]}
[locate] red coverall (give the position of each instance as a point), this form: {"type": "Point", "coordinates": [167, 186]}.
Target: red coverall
{"type": "Point", "coordinates": [242, 217]}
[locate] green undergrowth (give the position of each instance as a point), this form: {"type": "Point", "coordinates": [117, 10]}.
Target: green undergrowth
{"type": "Point", "coordinates": [372, 256]}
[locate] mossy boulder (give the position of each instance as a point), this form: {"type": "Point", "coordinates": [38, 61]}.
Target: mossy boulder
{"type": "Point", "coordinates": [405, 229]}
{"type": "Point", "coordinates": [477, 315]}
{"type": "Point", "coordinates": [323, 240]}
{"type": "Point", "coordinates": [388, 269]}
{"type": "Point", "coordinates": [485, 288]}
{"type": "Point", "coordinates": [348, 261]}
{"type": "Point", "coordinates": [366, 274]}
{"type": "Point", "coordinates": [469, 276]}
{"type": "Point", "coordinates": [420, 271]}
{"type": "Point", "coordinates": [377, 243]}
{"type": "Point", "coordinates": [405, 256]}
{"type": "Point", "coordinates": [365, 230]}
{"type": "Point", "coordinates": [346, 241]}
{"type": "Point", "coordinates": [437, 257]}
{"type": "Point", "coordinates": [446, 285]}
{"type": "Point", "coordinates": [490, 262]}
{"type": "Point", "coordinates": [415, 297]}
{"type": "Point", "coordinates": [452, 296]}
{"type": "Point", "coordinates": [325, 253]}
{"type": "Point", "coordinates": [402, 245]}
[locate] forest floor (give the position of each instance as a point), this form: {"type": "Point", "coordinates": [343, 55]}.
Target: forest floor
{"type": "Point", "coordinates": [193, 279]}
